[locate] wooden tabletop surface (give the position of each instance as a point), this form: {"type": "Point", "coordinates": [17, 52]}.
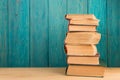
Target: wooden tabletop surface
{"type": "Point", "coordinates": [51, 74]}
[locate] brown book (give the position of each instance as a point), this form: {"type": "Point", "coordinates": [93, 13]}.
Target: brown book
{"type": "Point", "coordinates": [84, 22]}
{"type": "Point", "coordinates": [81, 28]}
{"type": "Point", "coordinates": [80, 16]}
{"type": "Point", "coordinates": [85, 70]}
{"type": "Point", "coordinates": [87, 60]}
{"type": "Point", "coordinates": [81, 50]}
{"type": "Point", "coordinates": [82, 38]}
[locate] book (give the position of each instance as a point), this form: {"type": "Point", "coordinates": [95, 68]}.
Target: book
{"type": "Point", "coordinates": [81, 28]}
{"type": "Point", "coordinates": [87, 60]}
{"type": "Point", "coordinates": [81, 50]}
{"type": "Point", "coordinates": [86, 70]}
{"type": "Point", "coordinates": [79, 16]}
{"type": "Point", "coordinates": [84, 22]}
{"type": "Point", "coordinates": [82, 38]}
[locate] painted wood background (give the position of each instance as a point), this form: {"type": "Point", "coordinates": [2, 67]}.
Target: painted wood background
{"type": "Point", "coordinates": [32, 32]}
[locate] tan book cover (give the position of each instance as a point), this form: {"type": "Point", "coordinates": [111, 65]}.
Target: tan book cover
{"type": "Point", "coordinates": [84, 22]}
{"type": "Point", "coordinates": [79, 16]}
{"type": "Point", "coordinates": [86, 70]}
{"type": "Point", "coordinates": [82, 38]}
{"type": "Point", "coordinates": [87, 60]}
{"type": "Point", "coordinates": [81, 50]}
{"type": "Point", "coordinates": [81, 28]}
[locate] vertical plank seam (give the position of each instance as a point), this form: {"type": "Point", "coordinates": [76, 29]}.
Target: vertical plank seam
{"type": "Point", "coordinates": [7, 33]}
{"type": "Point", "coordinates": [29, 33]}
{"type": "Point", "coordinates": [48, 60]}
{"type": "Point", "coordinates": [107, 43]}
{"type": "Point", "coordinates": [66, 6]}
{"type": "Point", "coordinates": [87, 6]}
{"type": "Point", "coordinates": [8, 39]}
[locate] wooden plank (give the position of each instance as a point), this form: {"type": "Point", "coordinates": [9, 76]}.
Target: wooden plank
{"type": "Point", "coordinates": [113, 18]}
{"type": "Point", "coordinates": [113, 51]}
{"type": "Point", "coordinates": [98, 8]}
{"type": "Point", "coordinates": [77, 6]}
{"type": "Point", "coordinates": [50, 74]}
{"type": "Point", "coordinates": [18, 33]}
{"type": "Point", "coordinates": [3, 32]}
{"type": "Point", "coordinates": [101, 47]}
{"type": "Point", "coordinates": [57, 32]}
{"type": "Point", "coordinates": [39, 33]}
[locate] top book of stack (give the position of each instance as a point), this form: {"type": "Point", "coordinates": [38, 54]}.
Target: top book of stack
{"type": "Point", "coordinates": [82, 19]}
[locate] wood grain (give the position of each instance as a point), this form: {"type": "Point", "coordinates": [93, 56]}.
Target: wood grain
{"type": "Point", "coordinates": [113, 52]}
{"type": "Point", "coordinates": [77, 6]}
{"type": "Point", "coordinates": [39, 28]}
{"type": "Point", "coordinates": [57, 32]}
{"type": "Point", "coordinates": [3, 33]}
{"type": "Point", "coordinates": [18, 33]}
{"type": "Point", "coordinates": [113, 20]}
{"type": "Point", "coordinates": [32, 32]}
{"type": "Point", "coordinates": [98, 8]}
{"type": "Point", "coordinates": [51, 73]}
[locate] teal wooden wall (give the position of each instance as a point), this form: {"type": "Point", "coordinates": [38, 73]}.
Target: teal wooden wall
{"type": "Point", "coordinates": [113, 23]}
{"type": "Point", "coordinates": [32, 32]}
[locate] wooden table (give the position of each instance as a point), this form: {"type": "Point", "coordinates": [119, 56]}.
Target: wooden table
{"type": "Point", "coordinates": [51, 74]}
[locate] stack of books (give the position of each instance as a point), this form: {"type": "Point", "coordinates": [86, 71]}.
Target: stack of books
{"type": "Point", "coordinates": [82, 37]}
